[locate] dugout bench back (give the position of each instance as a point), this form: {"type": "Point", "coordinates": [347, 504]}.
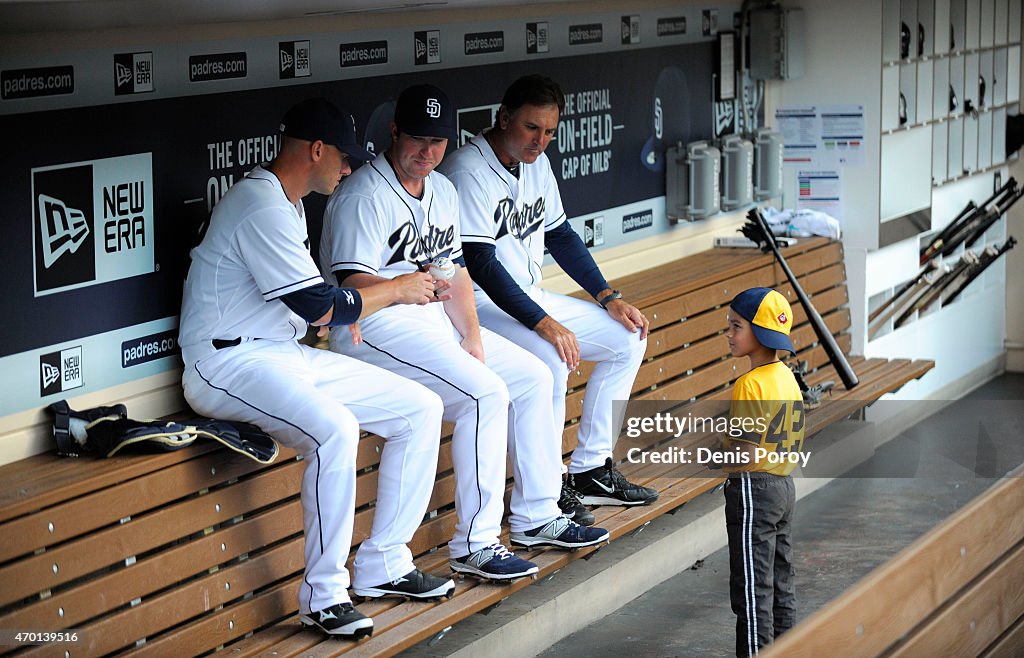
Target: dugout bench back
{"type": "Point", "coordinates": [200, 550]}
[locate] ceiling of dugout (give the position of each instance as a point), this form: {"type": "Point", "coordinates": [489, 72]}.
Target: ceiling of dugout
{"type": "Point", "coordinates": [29, 16]}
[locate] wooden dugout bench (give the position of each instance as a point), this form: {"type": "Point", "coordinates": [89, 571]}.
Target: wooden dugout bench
{"type": "Point", "coordinates": [200, 550]}
{"type": "Point", "coordinates": [956, 591]}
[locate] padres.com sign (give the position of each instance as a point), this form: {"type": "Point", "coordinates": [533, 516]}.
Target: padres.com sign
{"type": "Point", "coordinates": [92, 222]}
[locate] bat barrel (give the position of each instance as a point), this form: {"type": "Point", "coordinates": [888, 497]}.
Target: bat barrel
{"type": "Point", "coordinates": [825, 337]}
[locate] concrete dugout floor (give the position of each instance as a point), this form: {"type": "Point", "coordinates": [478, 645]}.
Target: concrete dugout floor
{"type": "Point", "coordinates": [841, 532]}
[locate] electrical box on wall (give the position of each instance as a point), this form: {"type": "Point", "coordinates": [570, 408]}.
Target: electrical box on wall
{"type": "Point", "coordinates": [767, 164]}
{"type": "Point", "coordinates": [776, 44]}
{"type": "Point", "coordinates": [691, 181]}
{"type": "Point", "coordinates": [737, 172]}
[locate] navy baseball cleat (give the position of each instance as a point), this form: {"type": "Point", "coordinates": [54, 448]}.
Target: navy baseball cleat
{"type": "Point", "coordinates": [571, 504]}
{"type": "Point", "coordinates": [414, 585]}
{"type": "Point", "coordinates": [340, 619]}
{"type": "Point", "coordinates": [494, 562]}
{"type": "Point", "coordinates": [605, 485]}
{"type": "Point", "coordinates": [561, 532]}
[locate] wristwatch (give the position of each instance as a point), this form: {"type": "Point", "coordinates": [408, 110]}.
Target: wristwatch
{"type": "Point", "coordinates": [604, 301]}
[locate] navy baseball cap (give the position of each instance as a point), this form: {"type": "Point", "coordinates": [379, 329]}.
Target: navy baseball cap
{"type": "Point", "coordinates": [769, 315]}
{"type": "Point", "coordinates": [319, 119]}
{"type": "Point", "coordinates": [425, 111]}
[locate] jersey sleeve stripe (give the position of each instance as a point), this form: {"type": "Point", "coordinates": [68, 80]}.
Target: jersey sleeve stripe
{"type": "Point", "coordinates": [353, 265]}
{"type": "Point", "coordinates": [292, 287]}
{"type": "Point", "coordinates": [557, 220]}
{"type": "Point", "coordinates": [469, 237]}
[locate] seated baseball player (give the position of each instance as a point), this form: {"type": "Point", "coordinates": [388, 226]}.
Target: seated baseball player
{"type": "Point", "coordinates": [511, 211]}
{"type": "Point", "coordinates": [396, 216]}
{"type": "Point", "coordinates": [251, 291]}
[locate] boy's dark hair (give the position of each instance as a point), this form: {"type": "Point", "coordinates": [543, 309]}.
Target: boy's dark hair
{"type": "Point", "coordinates": [533, 89]}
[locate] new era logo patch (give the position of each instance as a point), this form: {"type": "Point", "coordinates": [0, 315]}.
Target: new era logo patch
{"type": "Point", "coordinates": [427, 47]}
{"type": "Point", "coordinates": [60, 371]}
{"type": "Point", "coordinates": [133, 73]}
{"type": "Point", "coordinates": [293, 59]}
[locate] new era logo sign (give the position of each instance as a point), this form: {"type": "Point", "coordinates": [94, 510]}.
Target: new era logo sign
{"type": "Point", "coordinates": [60, 371]}
{"type": "Point", "coordinates": [92, 222]}
{"type": "Point", "coordinates": [593, 232]}
{"type": "Point", "coordinates": [65, 251]}
{"type": "Point", "coordinates": [64, 229]}
{"type": "Point", "coordinates": [433, 108]}
{"type": "Point", "coordinates": [122, 74]}
{"type": "Point", "coordinates": [630, 29]}
{"type": "Point", "coordinates": [427, 47]}
{"type": "Point", "coordinates": [472, 120]}
{"type": "Point", "coordinates": [293, 58]}
{"type": "Point", "coordinates": [50, 374]}
{"type": "Point", "coordinates": [133, 73]}
{"type": "Point", "coordinates": [536, 38]}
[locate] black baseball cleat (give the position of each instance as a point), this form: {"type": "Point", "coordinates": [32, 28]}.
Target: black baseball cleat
{"type": "Point", "coordinates": [413, 585]}
{"type": "Point", "coordinates": [340, 619]}
{"type": "Point", "coordinates": [571, 504]}
{"type": "Point", "coordinates": [605, 485]}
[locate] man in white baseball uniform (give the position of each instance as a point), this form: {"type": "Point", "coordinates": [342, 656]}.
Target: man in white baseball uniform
{"type": "Point", "coordinates": [511, 211]}
{"type": "Point", "coordinates": [396, 216]}
{"type": "Point", "coordinates": [251, 290]}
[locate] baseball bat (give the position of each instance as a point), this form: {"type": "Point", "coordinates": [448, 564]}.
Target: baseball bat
{"type": "Point", "coordinates": [990, 215]}
{"type": "Point", "coordinates": [934, 292]}
{"type": "Point", "coordinates": [987, 223]}
{"type": "Point", "coordinates": [930, 267]}
{"type": "Point", "coordinates": [758, 231]}
{"type": "Point", "coordinates": [940, 239]}
{"type": "Point", "coordinates": [970, 214]}
{"type": "Point", "coordinates": [990, 256]}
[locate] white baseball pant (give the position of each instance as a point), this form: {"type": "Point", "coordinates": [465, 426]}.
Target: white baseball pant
{"type": "Point", "coordinates": [315, 402]}
{"type": "Point", "coordinates": [509, 397]}
{"type": "Point", "coordinates": [617, 353]}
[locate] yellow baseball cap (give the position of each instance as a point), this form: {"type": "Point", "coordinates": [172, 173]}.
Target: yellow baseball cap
{"type": "Point", "coordinates": [769, 314]}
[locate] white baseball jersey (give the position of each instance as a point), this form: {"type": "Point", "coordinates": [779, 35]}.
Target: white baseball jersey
{"type": "Point", "coordinates": [382, 229]}
{"type": "Point", "coordinates": [311, 400]}
{"type": "Point", "coordinates": [373, 225]}
{"type": "Point", "coordinates": [509, 212]}
{"type": "Point", "coordinates": [513, 213]}
{"type": "Point", "coordinates": [255, 250]}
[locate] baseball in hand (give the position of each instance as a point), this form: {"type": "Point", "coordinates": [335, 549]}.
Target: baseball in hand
{"type": "Point", "coordinates": [441, 268]}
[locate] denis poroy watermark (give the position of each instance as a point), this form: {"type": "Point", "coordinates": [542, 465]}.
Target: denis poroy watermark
{"type": "Point", "coordinates": [672, 438]}
{"type": "Point", "coordinates": [666, 439]}
{"type": "Point", "coordinates": [717, 458]}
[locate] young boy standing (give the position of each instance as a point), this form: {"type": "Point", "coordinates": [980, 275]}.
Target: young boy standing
{"type": "Point", "coordinates": [759, 492]}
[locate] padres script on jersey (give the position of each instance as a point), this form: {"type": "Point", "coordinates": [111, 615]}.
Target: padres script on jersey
{"type": "Point", "coordinates": [373, 225]}
{"type": "Point", "coordinates": [499, 208]}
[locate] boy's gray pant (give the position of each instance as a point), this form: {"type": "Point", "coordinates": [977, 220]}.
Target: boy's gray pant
{"type": "Point", "coordinates": [758, 511]}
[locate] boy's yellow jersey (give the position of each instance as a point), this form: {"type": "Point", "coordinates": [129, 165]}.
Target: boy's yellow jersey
{"type": "Point", "coordinates": [771, 398]}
